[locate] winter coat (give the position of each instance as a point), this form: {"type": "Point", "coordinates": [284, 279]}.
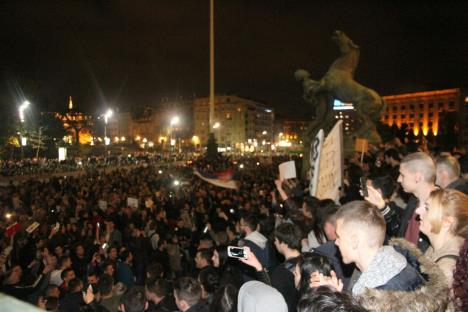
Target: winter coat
{"type": "Point", "coordinates": [433, 295]}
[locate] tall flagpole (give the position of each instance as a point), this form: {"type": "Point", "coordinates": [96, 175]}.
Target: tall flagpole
{"type": "Point", "coordinates": [212, 85]}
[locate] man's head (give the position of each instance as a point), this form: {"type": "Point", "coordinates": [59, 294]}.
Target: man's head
{"type": "Point", "coordinates": [187, 293]}
{"type": "Point", "coordinates": [203, 258]}
{"type": "Point", "coordinates": [65, 262]}
{"type": "Point", "coordinates": [134, 300]}
{"type": "Point", "coordinates": [92, 278]}
{"type": "Point", "coordinates": [360, 228]}
{"type": "Point", "coordinates": [75, 285]}
{"type": "Point", "coordinates": [417, 171]}
{"type": "Point", "coordinates": [67, 275]}
{"type": "Point", "coordinates": [325, 299]}
{"type": "Point", "coordinates": [287, 237]}
{"type": "Point", "coordinates": [52, 291]}
{"type": "Point", "coordinates": [106, 285]}
{"type": "Point", "coordinates": [392, 157]}
{"type": "Point", "coordinates": [447, 170]}
{"type": "Point", "coordinates": [156, 289]}
{"type": "Point", "coordinates": [248, 223]}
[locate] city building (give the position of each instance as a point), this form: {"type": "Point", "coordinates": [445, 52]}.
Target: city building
{"type": "Point", "coordinates": [77, 124]}
{"type": "Point", "coordinates": [289, 132]}
{"type": "Point", "coordinates": [239, 123]}
{"type": "Point", "coordinates": [347, 113]}
{"type": "Point", "coordinates": [423, 112]}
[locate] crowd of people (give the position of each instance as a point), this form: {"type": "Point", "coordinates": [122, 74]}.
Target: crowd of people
{"type": "Point", "coordinates": [159, 238]}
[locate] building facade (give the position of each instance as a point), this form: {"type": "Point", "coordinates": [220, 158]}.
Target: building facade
{"type": "Point", "coordinates": [239, 123]}
{"type": "Point", "coordinates": [422, 112]}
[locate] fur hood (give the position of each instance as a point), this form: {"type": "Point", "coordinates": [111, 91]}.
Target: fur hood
{"type": "Point", "coordinates": [432, 296]}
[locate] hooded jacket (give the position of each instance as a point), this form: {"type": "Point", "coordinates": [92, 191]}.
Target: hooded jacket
{"type": "Point", "coordinates": [255, 296]}
{"type": "Point", "coordinates": [432, 295]}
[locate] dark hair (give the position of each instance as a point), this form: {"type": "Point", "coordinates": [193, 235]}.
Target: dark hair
{"type": "Point", "coordinates": [290, 234]}
{"type": "Point", "coordinates": [309, 263]}
{"type": "Point", "coordinates": [64, 273]}
{"type": "Point", "coordinates": [52, 304]}
{"type": "Point", "coordinates": [75, 282]}
{"type": "Point", "coordinates": [392, 153]}
{"type": "Point", "coordinates": [326, 300]}
{"type": "Point", "coordinates": [225, 299]}
{"type": "Point", "coordinates": [209, 279]}
{"type": "Point", "coordinates": [62, 259]}
{"type": "Point", "coordinates": [105, 284]}
{"type": "Point", "coordinates": [156, 286]}
{"type": "Point", "coordinates": [124, 255]}
{"type": "Point", "coordinates": [134, 300]}
{"type": "Point", "coordinates": [206, 254]}
{"type": "Point", "coordinates": [385, 184]}
{"type": "Point", "coordinates": [460, 278]}
{"type": "Point", "coordinates": [250, 220]}
{"type": "Point", "coordinates": [188, 289]}
{"type": "Point", "coordinates": [155, 270]}
{"type": "Point", "coordinates": [48, 289]}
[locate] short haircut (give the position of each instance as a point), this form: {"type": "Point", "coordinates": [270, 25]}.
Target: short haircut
{"type": "Point", "coordinates": [156, 286]}
{"type": "Point", "coordinates": [422, 163]}
{"type": "Point", "coordinates": [134, 300]}
{"type": "Point", "coordinates": [368, 217]}
{"type": "Point", "coordinates": [326, 300]}
{"type": "Point", "coordinates": [155, 270]}
{"type": "Point", "coordinates": [209, 279]}
{"type": "Point", "coordinates": [63, 259]}
{"type": "Point", "coordinates": [250, 220]}
{"type": "Point", "coordinates": [392, 153]}
{"type": "Point", "coordinates": [385, 184]}
{"type": "Point", "coordinates": [206, 254]}
{"type": "Point", "coordinates": [105, 284]}
{"type": "Point", "coordinates": [448, 203]}
{"type": "Point", "coordinates": [450, 164]}
{"type": "Point", "coordinates": [65, 272]}
{"type": "Point", "coordinates": [290, 234]}
{"type": "Point", "coordinates": [74, 283]}
{"type": "Point", "coordinates": [188, 289]}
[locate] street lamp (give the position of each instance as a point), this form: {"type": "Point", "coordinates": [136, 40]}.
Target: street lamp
{"type": "Point", "coordinates": [174, 121]}
{"type": "Point", "coordinates": [108, 114]}
{"type": "Point", "coordinates": [21, 110]}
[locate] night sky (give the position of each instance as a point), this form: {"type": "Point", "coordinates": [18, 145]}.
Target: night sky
{"type": "Point", "coordinates": [130, 53]}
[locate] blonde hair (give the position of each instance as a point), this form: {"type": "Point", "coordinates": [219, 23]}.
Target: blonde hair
{"type": "Point", "coordinates": [444, 203]}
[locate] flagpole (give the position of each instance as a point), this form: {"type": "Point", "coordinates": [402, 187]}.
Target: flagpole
{"type": "Point", "coordinates": [212, 85]}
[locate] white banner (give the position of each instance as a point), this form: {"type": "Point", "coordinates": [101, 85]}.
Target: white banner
{"type": "Point", "coordinates": [330, 172]}
{"type": "Point", "coordinates": [314, 158]}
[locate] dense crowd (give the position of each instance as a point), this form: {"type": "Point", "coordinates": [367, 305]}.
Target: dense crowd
{"type": "Point", "coordinates": [156, 237]}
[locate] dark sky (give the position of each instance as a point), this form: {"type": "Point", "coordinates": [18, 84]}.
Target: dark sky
{"type": "Point", "coordinates": [129, 53]}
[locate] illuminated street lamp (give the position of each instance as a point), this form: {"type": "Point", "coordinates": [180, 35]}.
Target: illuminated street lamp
{"type": "Point", "coordinates": [174, 121]}
{"type": "Point", "coordinates": [107, 115]}
{"type": "Point", "coordinates": [21, 110]}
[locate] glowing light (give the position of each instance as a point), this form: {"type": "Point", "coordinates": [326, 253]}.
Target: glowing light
{"type": "Point", "coordinates": [145, 140]}
{"type": "Point", "coordinates": [264, 132]}
{"type": "Point", "coordinates": [175, 120]}
{"type": "Point", "coordinates": [176, 182]}
{"type": "Point", "coordinates": [150, 143]}
{"type": "Point", "coordinates": [195, 140]}
{"type": "Point", "coordinates": [24, 141]}
{"type": "Point", "coordinates": [137, 138]}
{"type": "Point", "coordinates": [216, 125]}
{"type": "Point", "coordinates": [122, 139]}
{"type": "Point", "coordinates": [173, 141]}
{"type": "Point", "coordinates": [106, 141]}
{"type": "Point", "coordinates": [108, 115]}
{"type": "Point", "coordinates": [22, 108]}
{"type": "Point", "coordinates": [241, 166]}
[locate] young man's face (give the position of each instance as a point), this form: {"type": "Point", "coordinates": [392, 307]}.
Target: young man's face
{"type": "Point", "coordinates": [344, 241]}
{"type": "Point", "coordinates": [200, 262]}
{"type": "Point", "coordinates": [407, 179]}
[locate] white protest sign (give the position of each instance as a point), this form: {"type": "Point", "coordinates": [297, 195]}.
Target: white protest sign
{"type": "Point", "coordinates": [132, 202]}
{"type": "Point", "coordinates": [330, 173]}
{"type": "Point", "coordinates": [314, 158]}
{"type": "Point", "coordinates": [287, 170]}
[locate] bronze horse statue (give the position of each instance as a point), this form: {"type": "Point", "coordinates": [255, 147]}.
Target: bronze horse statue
{"type": "Point", "coordinates": [338, 82]}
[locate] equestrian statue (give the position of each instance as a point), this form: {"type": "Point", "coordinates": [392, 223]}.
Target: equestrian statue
{"type": "Point", "coordinates": [338, 83]}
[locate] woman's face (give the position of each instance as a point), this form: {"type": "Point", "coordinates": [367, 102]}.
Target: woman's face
{"type": "Point", "coordinates": [424, 224]}
{"type": "Point", "coordinates": [215, 259]}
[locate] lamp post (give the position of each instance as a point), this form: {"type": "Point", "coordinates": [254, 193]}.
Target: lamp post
{"type": "Point", "coordinates": [174, 121]}
{"type": "Point", "coordinates": [107, 115]}
{"type": "Point", "coordinates": [217, 125]}
{"type": "Point", "coordinates": [21, 109]}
